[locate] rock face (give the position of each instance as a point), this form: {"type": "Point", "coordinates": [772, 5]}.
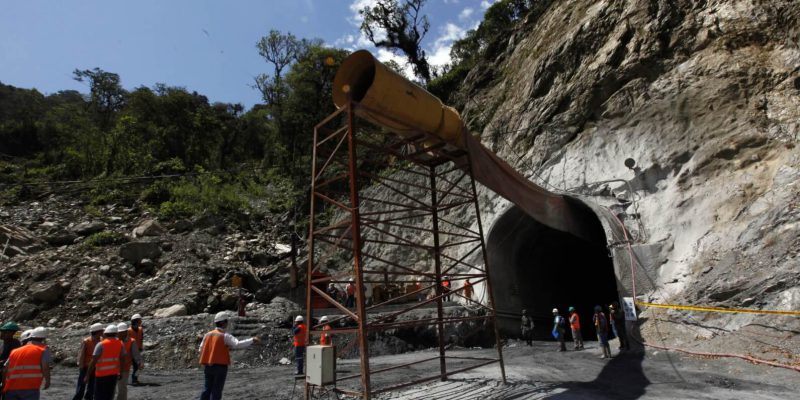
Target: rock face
{"type": "Point", "coordinates": [705, 97]}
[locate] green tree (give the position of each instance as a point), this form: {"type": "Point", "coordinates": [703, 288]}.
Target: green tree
{"type": "Point", "coordinates": [398, 26]}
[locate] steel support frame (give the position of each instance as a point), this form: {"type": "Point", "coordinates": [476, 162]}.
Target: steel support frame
{"type": "Point", "coordinates": [444, 173]}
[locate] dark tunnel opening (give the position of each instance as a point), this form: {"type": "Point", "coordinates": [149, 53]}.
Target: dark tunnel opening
{"type": "Point", "coordinates": [538, 268]}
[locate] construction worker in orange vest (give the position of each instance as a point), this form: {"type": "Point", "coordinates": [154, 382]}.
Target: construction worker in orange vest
{"type": "Point", "coordinates": [325, 339]}
{"type": "Point", "coordinates": [84, 357]}
{"type": "Point", "coordinates": [468, 289]}
{"type": "Point", "coordinates": [7, 333]}
{"type": "Point", "coordinates": [132, 349]}
{"type": "Point", "coordinates": [575, 326]}
{"type": "Point", "coordinates": [136, 332]}
{"type": "Point", "coordinates": [27, 368]}
{"type": "Point", "coordinates": [299, 336]}
{"type": "Point", "coordinates": [215, 356]}
{"type": "Point", "coordinates": [106, 364]}
{"type": "Point", "coordinates": [446, 288]}
{"type": "Point", "coordinates": [350, 290]}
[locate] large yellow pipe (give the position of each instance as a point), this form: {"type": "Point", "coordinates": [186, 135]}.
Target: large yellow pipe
{"type": "Point", "coordinates": [365, 80]}
{"type": "Point", "coordinates": [406, 108]}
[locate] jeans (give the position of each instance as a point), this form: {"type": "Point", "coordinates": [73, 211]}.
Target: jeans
{"type": "Point", "coordinates": [104, 387]}
{"type": "Point", "coordinates": [84, 388]}
{"type": "Point", "coordinates": [134, 377]}
{"type": "Point", "coordinates": [22, 395]}
{"type": "Point", "coordinates": [299, 357]}
{"type": "Point", "coordinates": [214, 381]}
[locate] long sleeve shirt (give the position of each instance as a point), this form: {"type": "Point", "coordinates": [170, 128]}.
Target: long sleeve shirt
{"type": "Point", "coordinates": [231, 342]}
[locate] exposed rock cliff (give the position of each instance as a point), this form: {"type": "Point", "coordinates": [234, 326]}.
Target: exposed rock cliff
{"type": "Point", "coordinates": [705, 97]}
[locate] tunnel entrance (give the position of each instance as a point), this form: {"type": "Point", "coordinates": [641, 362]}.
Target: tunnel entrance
{"type": "Point", "coordinates": [538, 268]}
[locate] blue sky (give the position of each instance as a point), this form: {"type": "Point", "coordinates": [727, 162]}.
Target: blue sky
{"type": "Point", "coordinates": [203, 45]}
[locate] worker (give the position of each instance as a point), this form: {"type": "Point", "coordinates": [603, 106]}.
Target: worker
{"type": "Point", "coordinates": [136, 332]}
{"type": "Point", "coordinates": [468, 289]}
{"type": "Point", "coordinates": [215, 356]}
{"type": "Point", "coordinates": [332, 291]}
{"type": "Point", "coordinates": [107, 359]}
{"type": "Point", "coordinates": [575, 326]}
{"type": "Point", "coordinates": [527, 328]}
{"type": "Point", "coordinates": [418, 288]}
{"type": "Point", "coordinates": [9, 342]}
{"type": "Point", "coordinates": [325, 339]}
{"type": "Point", "coordinates": [27, 368]}
{"type": "Point", "coordinates": [446, 288]}
{"type": "Point", "coordinates": [350, 290]}
{"type": "Point", "coordinates": [84, 388]}
{"type": "Point", "coordinates": [617, 317]}
{"type": "Point", "coordinates": [134, 358]}
{"type": "Point", "coordinates": [299, 335]}
{"type": "Point", "coordinates": [559, 329]}
{"type": "Point", "coordinates": [601, 327]}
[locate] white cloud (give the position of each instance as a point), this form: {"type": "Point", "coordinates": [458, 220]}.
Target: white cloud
{"type": "Point", "coordinates": [384, 55]}
{"type": "Point", "coordinates": [486, 3]}
{"type": "Point", "coordinates": [465, 13]}
{"type": "Point", "coordinates": [450, 1]}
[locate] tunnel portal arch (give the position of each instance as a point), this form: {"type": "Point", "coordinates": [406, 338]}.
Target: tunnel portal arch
{"type": "Point", "coordinates": [539, 268]}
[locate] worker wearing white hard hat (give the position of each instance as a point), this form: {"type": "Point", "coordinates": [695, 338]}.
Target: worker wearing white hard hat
{"type": "Point", "coordinates": [299, 340]}
{"type": "Point", "coordinates": [559, 329]}
{"type": "Point", "coordinates": [325, 339]}
{"type": "Point", "coordinates": [19, 382]}
{"type": "Point", "coordinates": [136, 332]}
{"type": "Point", "coordinates": [132, 349]}
{"type": "Point", "coordinates": [106, 365]}
{"type": "Point", "coordinates": [84, 387]}
{"type": "Point", "coordinates": [215, 355]}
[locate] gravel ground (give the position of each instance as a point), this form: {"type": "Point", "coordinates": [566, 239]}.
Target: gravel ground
{"type": "Point", "coordinates": [537, 372]}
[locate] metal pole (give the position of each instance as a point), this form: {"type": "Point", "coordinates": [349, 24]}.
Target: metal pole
{"type": "Point", "coordinates": [437, 262]}
{"type": "Point", "coordinates": [311, 216]}
{"type": "Point", "coordinates": [363, 344]}
{"type": "Point", "coordinates": [486, 268]}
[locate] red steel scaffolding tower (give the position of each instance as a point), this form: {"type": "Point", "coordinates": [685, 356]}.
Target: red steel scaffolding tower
{"type": "Point", "coordinates": [385, 212]}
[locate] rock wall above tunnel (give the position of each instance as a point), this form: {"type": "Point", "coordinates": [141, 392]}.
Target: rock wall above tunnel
{"type": "Point", "coordinates": [703, 95]}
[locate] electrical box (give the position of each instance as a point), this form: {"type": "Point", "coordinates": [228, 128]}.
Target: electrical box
{"type": "Point", "coordinates": [320, 365]}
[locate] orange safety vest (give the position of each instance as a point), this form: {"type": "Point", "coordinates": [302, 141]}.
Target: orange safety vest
{"type": "Point", "coordinates": [576, 324]}
{"type": "Point", "coordinates": [351, 289]}
{"type": "Point", "coordinates": [446, 284]}
{"type": "Point", "coordinates": [137, 335]}
{"type": "Point", "coordinates": [108, 364]}
{"type": "Point", "coordinates": [128, 344]}
{"type": "Point", "coordinates": [300, 337]}
{"type": "Point", "coordinates": [215, 351]}
{"type": "Point", "coordinates": [88, 350]}
{"type": "Point", "coordinates": [24, 370]}
{"type": "Point", "coordinates": [325, 339]}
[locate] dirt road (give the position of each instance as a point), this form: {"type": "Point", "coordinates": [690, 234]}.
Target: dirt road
{"type": "Point", "coordinates": [533, 373]}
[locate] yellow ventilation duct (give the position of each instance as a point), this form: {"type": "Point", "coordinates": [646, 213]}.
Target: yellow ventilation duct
{"type": "Point", "coordinates": [398, 102]}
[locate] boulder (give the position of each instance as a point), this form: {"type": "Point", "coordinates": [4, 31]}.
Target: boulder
{"type": "Point", "coordinates": [181, 225]}
{"type": "Point", "coordinates": [16, 236]}
{"type": "Point", "coordinates": [25, 311]}
{"type": "Point", "coordinates": [149, 227]}
{"type": "Point", "coordinates": [88, 228]}
{"type": "Point", "coordinates": [61, 238]}
{"type": "Point", "coordinates": [135, 252]}
{"type": "Point", "coordinates": [46, 292]}
{"type": "Point", "coordinates": [172, 311]}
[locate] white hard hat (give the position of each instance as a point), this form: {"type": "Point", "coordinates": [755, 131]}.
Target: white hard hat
{"type": "Point", "coordinates": [221, 316]}
{"type": "Point", "coordinates": [110, 329]}
{"type": "Point", "coordinates": [96, 328]}
{"type": "Point", "coordinates": [555, 310]}
{"type": "Point", "coordinates": [135, 317]}
{"type": "Point", "coordinates": [323, 319]}
{"type": "Point", "coordinates": [351, 279]}
{"type": "Point", "coordinates": [299, 318]}
{"type": "Point", "coordinates": [122, 327]}
{"type": "Point", "coordinates": [39, 333]}
{"type": "Point", "coordinates": [25, 335]}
